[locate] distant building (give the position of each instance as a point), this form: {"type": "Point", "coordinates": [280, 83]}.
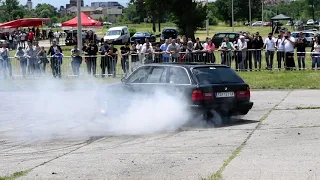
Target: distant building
{"type": "Point", "coordinates": [73, 3]}
{"type": "Point", "coordinates": [29, 5]}
{"type": "Point", "coordinates": [110, 4]}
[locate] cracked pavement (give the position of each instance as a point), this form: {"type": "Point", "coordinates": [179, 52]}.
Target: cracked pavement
{"type": "Point", "coordinates": [285, 145]}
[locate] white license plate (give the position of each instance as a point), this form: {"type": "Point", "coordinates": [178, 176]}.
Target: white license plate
{"type": "Point", "coordinates": [224, 94]}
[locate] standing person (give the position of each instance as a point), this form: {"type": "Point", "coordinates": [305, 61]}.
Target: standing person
{"type": "Point", "coordinates": [92, 51]}
{"type": "Point", "coordinates": [6, 62]}
{"type": "Point", "coordinates": [257, 45]}
{"type": "Point", "coordinates": [269, 44]}
{"type": "Point", "coordinates": [158, 54]}
{"type": "Point", "coordinates": [104, 59]}
{"type": "Point", "coordinates": [37, 34]}
{"type": "Point", "coordinates": [43, 60]}
{"type": "Point", "coordinates": [52, 51]}
{"type": "Point", "coordinates": [18, 38]}
{"type": "Point", "coordinates": [57, 37]}
{"type": "Point", "coordinates": [301, 51]}
{"type": "Point", "coordinates": [37, 49]}
{"type": "Point", "coordinates": [165, 55]}
{"type": "Point", "coordinates": [316, 58]}
{"type": "Point", "coordinates": [280, 49]}
{"type": "Point", "coordinates": [21, 57]}
{"type": "Point", "coordinates": [112, 60]}
{"type": "Point", "coordinates": [23, 37]}
{"type": "Point", "coordinates": [226, 48]}
{"type": "Point", "coordinates": [139, 48]}
{"type": "Point", "coordinates": [31, 61]}
{"type": "Point", "coordinates": [76, 60]}
{"type": "Point", "coordinates": [51, 36]}
{"type": "Point", "coordinates": [147, 51]}
{"type": "Point", "coordinates": [289, 44]}
{"type": "Point", "coordinates": [31, 36]}
{"type": "Point", "coordinates": [248, 61]}
{"type": "Point", "coordinates": [57, 63]}
{"type": "Point", "coordinates": [198, 48]}
{"type": "Point", "coordinates": [210, 47]}
{"type": "Point", "coordinates": [124, 54]}
{"type": "Point", "coordinates": [174, 49]}
{"type": "Point", "coordinates": [242, 48]}
{"type": "Point", "coordinates": [10, 38]}
{"type": "Point", "coordinates": [134, 58]}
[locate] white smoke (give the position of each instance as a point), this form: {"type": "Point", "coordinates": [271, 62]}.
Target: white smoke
{"type": "Point", "coordinates": [56, 109]}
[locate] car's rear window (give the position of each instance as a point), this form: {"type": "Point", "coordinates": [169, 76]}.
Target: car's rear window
{"type": "Point", "coordinates": [216, 75]}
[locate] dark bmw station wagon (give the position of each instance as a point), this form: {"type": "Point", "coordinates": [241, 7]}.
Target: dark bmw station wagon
{"type": "Point", "coordinates": [206, 86]}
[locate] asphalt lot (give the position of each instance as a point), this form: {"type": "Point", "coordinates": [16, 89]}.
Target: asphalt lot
{"type": "Point", "coordinates": [276, 140]}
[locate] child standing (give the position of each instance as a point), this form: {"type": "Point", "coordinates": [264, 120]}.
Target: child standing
{"type": "Point", "coordinates": [57, 63]}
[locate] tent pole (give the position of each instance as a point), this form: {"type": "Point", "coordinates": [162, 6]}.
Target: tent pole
{"type": "Point", "coordinates": [79, 33]}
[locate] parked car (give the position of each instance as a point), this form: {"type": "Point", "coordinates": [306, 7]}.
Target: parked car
{"type": "Point", "coordinates": [206, 87]}
{"type": "Point", "coordinates": [107, 23]}
{"type": "Point", "coordinates": [218, 38]}
{"type": "Point", "coordinates": [309, 35]}
{"type": "Point", "coordinates": [168, 33]}
{"type": "Point", "coordinates": [310, 22]}
{"type": "Point", "coordinates": [257, 23]}
{"type": "Point", "coordinates": [267, 24]}
{"type": "Point", "coordinates": [142, 36]}
{"type": "Point", "coordinates": [117, 35]}
{"type": "Point", "coordinates": [298, 23]}
{"type": "Point", "coordinates": [289, 23]}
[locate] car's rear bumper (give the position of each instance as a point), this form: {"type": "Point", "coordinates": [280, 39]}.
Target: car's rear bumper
{"type": "Point", "coordinates": [231, 109]}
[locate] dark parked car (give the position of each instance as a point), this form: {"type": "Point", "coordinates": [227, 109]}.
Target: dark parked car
{"type": "Point", "coordinates": [142, 36]}
{"type": "Point", "coordinates": [206, 87]}
{"type": "Point", "coordinates": [168, 33]}
{"type": "Point", "coordinates": [218, 38]}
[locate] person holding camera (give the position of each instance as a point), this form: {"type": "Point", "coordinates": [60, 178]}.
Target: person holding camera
{"type": "Point", "coordinates": [76, 60]}
{"type": "Point", "coordinates": [289, 44]}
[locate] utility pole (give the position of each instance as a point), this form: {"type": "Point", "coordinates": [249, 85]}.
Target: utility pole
{"type": "Point", "coordinates": [232, 16]}
{"type": "Point", "coordinates": [207, 21]}
{"type": "Point", "coordinates": [262, 10]}
{"type": "Point", "coordinates": [250, 12]}
{"type": "Point", "coordinates": [79, 34]}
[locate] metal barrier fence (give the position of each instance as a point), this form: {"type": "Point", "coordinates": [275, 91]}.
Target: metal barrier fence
{"type": "Point", "coordinates": [115, 66]}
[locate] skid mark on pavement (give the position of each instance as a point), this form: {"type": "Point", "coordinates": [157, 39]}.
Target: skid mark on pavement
{"type": "Point", "coordinates": [218, 174]}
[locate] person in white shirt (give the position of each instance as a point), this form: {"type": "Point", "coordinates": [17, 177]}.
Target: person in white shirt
{"type": "Point", "coordinates": [289, 44]}
{"type": "Point", "coordinates": [280, 49]}
{"type": "Point", "coordinates": [57, 36]}
{"type": "Point", "coordinates": [174, 49]}
{"type": "Point", "coordinates": [6, 62]}
{"type": "Point", "coordinates": [23, 37]}
{"type": "Point", "coordinates": [269, 44]}
{"type": "Point", "coordinates": [147, 51]}
{"type": "Point", "coordinates": [242, 54]}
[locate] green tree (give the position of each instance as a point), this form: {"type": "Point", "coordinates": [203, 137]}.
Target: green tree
{"type": "Point", "coordinates": [45, 10]}
{"type": "Point", "coordinates": [11, 10]}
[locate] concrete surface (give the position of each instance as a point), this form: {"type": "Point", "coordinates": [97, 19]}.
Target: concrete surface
{"type": "Point", "coordinates": [285, 145]}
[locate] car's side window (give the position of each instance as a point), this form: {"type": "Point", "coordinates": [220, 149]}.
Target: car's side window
{"type": "Point", "coordinates": [157, 75]}
{"type": "Point", "coordinates": [139, 76]}
{"type": "Point", "coordinates": [231, 36]}
{"type": "Point", "coordinates": [178, 75]}
{"type": "Point", "coordinates": [221, 35]}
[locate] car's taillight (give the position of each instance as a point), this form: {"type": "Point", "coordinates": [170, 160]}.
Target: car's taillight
{"type": "Point", "coordinates": [244, 94]}
{"type": "Point", "coordinates": [198, 95]}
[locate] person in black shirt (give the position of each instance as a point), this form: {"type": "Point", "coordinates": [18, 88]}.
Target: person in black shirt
{"type": "Point", "coordinates": [52, 51]}
{"type": "Point", "coordinates": [301, 51]}
{"type": "Point", "coordinates": [125, 50]}
{"type": "Point", "coordinates": [103, 50]}
{"type": "Point", "coordinates": [92, 50]}
{"type": "Point", "coordinates": [134, 58]}
{"type": "Point", "coordinates": [257, 45]}
{"type": "Point", "coordinates": [248, 61]}
{"type": "Point", "coordinates": [112, 60]}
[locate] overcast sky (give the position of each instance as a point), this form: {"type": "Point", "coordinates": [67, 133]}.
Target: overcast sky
{"type": "Point", "coordinates": [58, 3]}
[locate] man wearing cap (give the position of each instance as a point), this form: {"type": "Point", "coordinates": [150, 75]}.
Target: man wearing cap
{"type": "Point", "coordinates": [269, 44]}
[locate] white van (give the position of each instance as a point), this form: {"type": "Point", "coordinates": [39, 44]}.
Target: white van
{"type": "Point", "coordinates": [117, 35]}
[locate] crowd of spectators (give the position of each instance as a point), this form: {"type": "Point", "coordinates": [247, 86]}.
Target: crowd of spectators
{"type": "Point", "coordinates": [33, 58]}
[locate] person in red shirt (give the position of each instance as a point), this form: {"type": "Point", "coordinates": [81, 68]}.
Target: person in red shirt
{"type": "Point", "coordinates": [31, 36]}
